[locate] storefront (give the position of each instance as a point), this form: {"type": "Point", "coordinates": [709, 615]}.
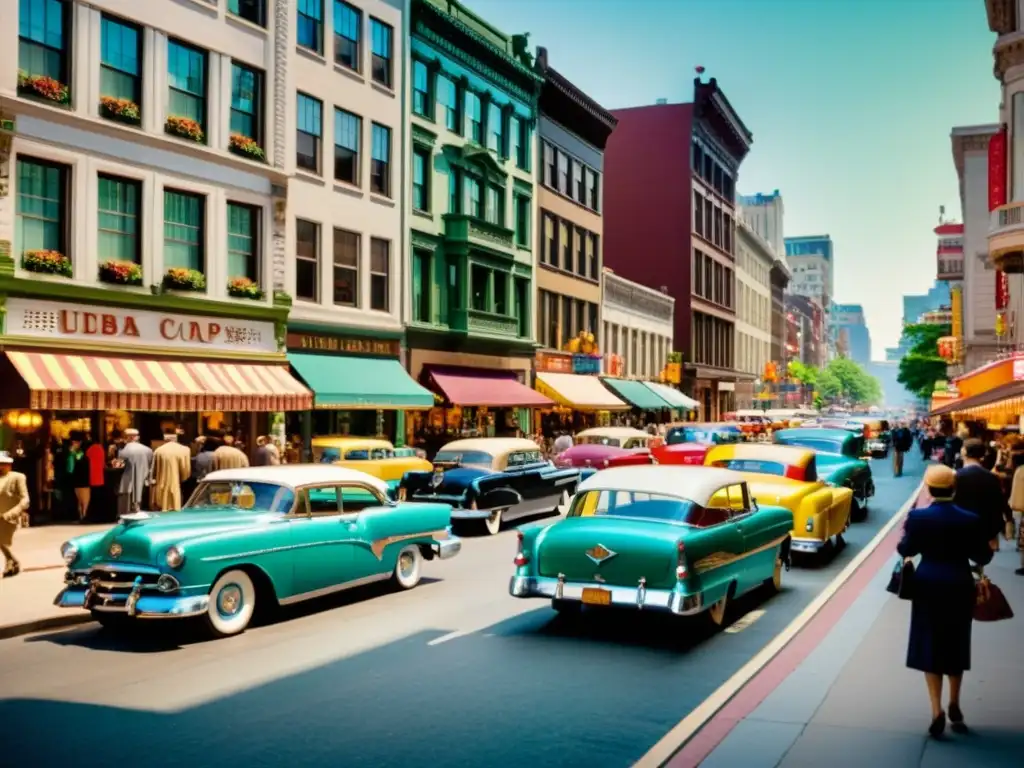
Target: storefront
{"type": "Point", "coordinates": [648, 407]}
{"type": "Point", "coordinates": [993, 394]}
{"type": "Point", "coordinates": [580, 399]}
{"type": "Point", "coordinates": [717, 396]}
{"type": "Point", "coordinates": [359, 386]}
{"type": "Point", "coordinates": [70, 367]}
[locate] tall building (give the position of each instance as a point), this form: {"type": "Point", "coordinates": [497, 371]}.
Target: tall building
{"type": "Point", "coordinates": [949, 252]}
{"type": "Point", "coordinates": [779, 282]}
{"type": "Point", "coordinates": [850, 321]}
{"type": "Point", "coordinates": [914, 307]}
{"type": "Point", "coordinates": [681, 237]}
{"type": "Point", "coordinates": [813, 250]}
{"type": "Point", "coordinates": [809, 340]}
{"type": "Point", "coordinates": [764, 214]}
{"type": "Point", "coordinates": [754, 262]}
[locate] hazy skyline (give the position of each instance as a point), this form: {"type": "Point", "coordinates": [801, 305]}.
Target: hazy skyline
{"type": "Point", "coordinates": [851, 103]}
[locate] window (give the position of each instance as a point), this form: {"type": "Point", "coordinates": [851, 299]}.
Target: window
{"type": "Point", "coordinates": [421, 286]}
{"type": "Point", "coordinates": [307, 260]}
{"type": "Point", "coordinates": [565, 240]}
{"type": "Point", "coordinates": [698, 273]}
{"type": "Point", "coordinates": [480, 277]}
{"type": "Point", "coordinates": [347, 128]}
{"type": "Point", "coordinates": [380, 165]}
{"type": "Point", "coordinates": [521, 306]}
{"type": "Point", "coordinates": [310, 128]}
{"type": "Point", "coordinates": [380, 270]}
{"type": "Point", "coordinates": [709, 213]}
{"type": "Point", "coordinates": [698, 214]}
{"type": "Point", "coordinates": [592, 322]}
{"type": "Point", "coordinates": [550, 251]}
{"type": "Point", "coordinates": [456, 282]}
{"type": "Point", "coordinates": [186, 79]}
{"type": "Point", "coordinates": [523, 155]}
{"type": "Point", "coordinates": [448, 98]}
{"type": "Point", "coordinates": [420, 180]}
{"type": "Point", "coordinates": [717, 239]}
{"type": "Point", "coordinates": [454, 198]}
{"type": "Point", "coordinates": [582, 240]}
{"type": "Point", "coordinates": [380, 48]}
{"type": "Point", "coordinates": [550, 167]}
{"type": "Point", "coordinates": [474, 117]}
{"type": "Point", "coordinates": [500, 293]}
{"type": "Point", "coordinates": [41, 206]}
{"type": "Point", "coordinates": [593, 248]}
{"type": "Point", "coordinates": [310, 22]}
{"type": "Point", "coordinates": [120, 60]}
{"type": "Point", "coordinates": [250, 10]}
{"type": "Point", "coordinates": [513, 138]}
{"type": "Point", "coordinates": [522, 221]}
{"type": "Point", "coordinates": [579, 192]}
{"type": "Point", "coordinates": [563, 173]}
{"type": "Point", "coordinates": [495, 130]}
{"type": "Point", "coordinates": [243, 241]}
{"type": "Point", "coordinates": [346, 268]}
{"type": "Point", "coordinates": [727, 232]}
{"type": "Point", "coordinates": [495, 212]}
{"type": "Point", "coordinates": [474, 200]}
{"type": "Point", "coordinates": [421, 90]}
{"type": "Point", "coordinates": [549, 306]}
{"type": "Point", "coordinates": [44, 36]}
{"type": "Point", "coordinates": [184, 241]}
{"type": "Point", "coordinates": [119, 219]}
{"type": "Point", "coordinates": [247, 102]}
{"type": "Point", "coordinates": [348, 21]}
{"type": "Point", "coordinates": [592, 200]}
{"type": "Point", "coordinates": [567, 329]}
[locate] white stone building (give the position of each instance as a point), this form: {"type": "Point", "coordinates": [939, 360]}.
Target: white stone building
{"type": "Point", "coordinates": [637, 324]}
{"type": "Point", "coordinates": [754, 260]}
{"type": "Point", "coordinates": [765, 214]}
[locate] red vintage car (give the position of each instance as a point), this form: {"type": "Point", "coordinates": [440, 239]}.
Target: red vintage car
{"type": "Point", "coordinates": [689, 443]}
{"type": "Point", "coordinates": [597, 456]}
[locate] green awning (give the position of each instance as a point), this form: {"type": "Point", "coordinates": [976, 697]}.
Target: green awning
{"type": "Point", "coordinates": [359, 383]}
{"type": "Point", "coordinates": [637, 394]}
{"type": "Point", "coordinates": [672, 395]}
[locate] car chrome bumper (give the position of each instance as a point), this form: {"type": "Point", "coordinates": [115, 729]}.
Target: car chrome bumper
{"type": "Point", "coordinates": [471, 514]}
{"type": "Point", "coordinates": [810, 546]}
{"type": "Point", "coordinates": [638, 597]}
{"type": "Point", "coordinates": [449, 547]}
{"type": "Point", "coordinates": [138, 605]}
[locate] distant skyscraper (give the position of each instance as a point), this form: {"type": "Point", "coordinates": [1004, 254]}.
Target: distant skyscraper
{"type": "Point", "coordinates": [914, 306]}
{"type": "Point", "coordinates": [849, 319]}
{"type": "Point", "coordinates": [805, 248]}
{"type": "Point", "coordinates": [764, 214]}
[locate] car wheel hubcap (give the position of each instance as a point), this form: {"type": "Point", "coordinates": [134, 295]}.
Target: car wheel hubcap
{"type": "Point", "coordinates": [406, 565]}
{"type": "Point", "coordinates": [229, 601]}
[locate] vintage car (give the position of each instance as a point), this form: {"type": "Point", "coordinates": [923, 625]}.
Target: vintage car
{"type": "Point", "coordinates": [788, 476]}
{"type": "Point", "coordinates": [591, 457]}
{"type": "Point", "coordinates": [753, 423]}
{"type": "Point", "coordinates": [619, 437]}
{"type": "Point", "coordinates": [488, 480]}
{"type": "Point", "coordinates": [685, 540]}
{"type": "Point", "coordinates": [877, 435]}
{"type": "Point", "coordinates": [689, 443]}
{"type": "Point", "coordinates": [840, 461]}
{"type": "Point", "coordinates": [250, 539]}
{"type": "Point", "coordinates": [371, 455]}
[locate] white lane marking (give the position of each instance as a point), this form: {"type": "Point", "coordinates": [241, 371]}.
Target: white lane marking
{"type": "Point", "coordinates": [744, 621]}
{"type": "Point", "coordinates": [672, 741]}
{"type": "Point", "coordinates": [446, 638]}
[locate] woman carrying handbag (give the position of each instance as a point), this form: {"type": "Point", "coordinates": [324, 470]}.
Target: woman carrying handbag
{"type": "Point", "coordinates": [943, 592]}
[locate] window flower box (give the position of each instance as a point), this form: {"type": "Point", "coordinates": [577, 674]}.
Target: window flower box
{"type": "Point", "coordinates": [181, 279]}
{"type": "Point", "coordinates": [122, 110]}
{"type": "Point", "coordinates": [121, 272]}
{"type": "Point", "coordinates": [185, 127]}
{"type": "Point", "coordinates": [242, 145]}
{"type": "Point", "coordinates": [43, 87]}
{"type": "Point", "coordinates": [47, 263]}
{"type": "Point", "coordinates": [244, 288]}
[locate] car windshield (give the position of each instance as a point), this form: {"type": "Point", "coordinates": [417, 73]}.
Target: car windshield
{"type": "Point", "coordinates": [327, 455]}
{"type": "Point", "coordinates": [691, 435]}
{"type": "Point", "coordinates": [599, 440]}
{"type": "Point", "coordinates": [465, 458]}
{"type": "Point", "coordinates": [815, 444]}
{"type": "Point", "coordinates": [631, 504]}
{"type": "Point", "coordinates": [753, 465]}
{"type": "Point", "coordinates": [246, 496]}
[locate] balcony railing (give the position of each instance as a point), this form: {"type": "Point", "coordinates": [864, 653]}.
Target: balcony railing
{"type": "Point", "coordinates": [1006, 237]}
{"type": "Point", "coordinates": [950, 269]}
{"type": "Point", "coordinates": [480, 323]}
{"type": "Point", "coordinates": [461, 228]}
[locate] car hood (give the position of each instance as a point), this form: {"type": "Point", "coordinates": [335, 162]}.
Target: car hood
{"type": "Point", "coordinates": [780, 491]}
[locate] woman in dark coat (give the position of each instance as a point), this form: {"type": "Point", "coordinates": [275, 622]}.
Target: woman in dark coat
{"type": "Point", "coordinates": [947, 538]}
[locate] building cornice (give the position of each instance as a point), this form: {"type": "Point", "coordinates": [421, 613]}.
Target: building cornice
{"type": "Point", "coordinates": [1008, 52]}
{"type": "Point", "coordinates": [970, 139]}
{"type": "Point", "coordinates": [711, 105]}
{"type": "Point", "coordinates": [1001, 15]}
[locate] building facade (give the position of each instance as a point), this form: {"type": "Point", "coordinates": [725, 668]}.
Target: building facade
{"type": "Point", "coordinates": [681, 239]}
{"type": "Point", "coordinates": [779, 277]}
{"type": "Point", "coordinates": [764, 214]}
{"type": "Point", "coordinates": [754, 262]}
{"type": "Point", "coordinates": [573, 132]}
{"type": "Point", "coordinates": [850, 320]}
{"type": "Point", "coordinates": [915, 305]}
{"type": "Point", "coordinates": [808, 339]}
{"type": "Point", "coordinates": [638, 327]}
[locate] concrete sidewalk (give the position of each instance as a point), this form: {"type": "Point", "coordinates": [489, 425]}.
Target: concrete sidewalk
{"type": "Point", "coordinates": [851, 701]}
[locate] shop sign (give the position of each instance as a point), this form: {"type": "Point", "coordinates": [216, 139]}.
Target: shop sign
{"type": "Point", "coordinates": [586, 365]}
{"type": "Point", "coordinates": [343, 345]}
{"type": "Point", "coordinates": [726, 386]}
{"type": "Point", "coordinates": [52, 320]}
{"type": "Point", "coordinates": [550, 362]}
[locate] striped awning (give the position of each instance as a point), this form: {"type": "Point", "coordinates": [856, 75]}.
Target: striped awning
{"type": "Point", "coordinates": [81, 382]}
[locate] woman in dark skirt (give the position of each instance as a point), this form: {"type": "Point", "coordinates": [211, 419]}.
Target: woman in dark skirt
{"type": "Point", "coordinates": [947, 538]}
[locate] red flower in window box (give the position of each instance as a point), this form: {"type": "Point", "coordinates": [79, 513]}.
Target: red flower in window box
{"type": "Point", "coordinates": [185, 127]}
{"type": "Point", "coordinates": [121, 272]}
{"type": "Point", "coordinates": [44, 87]}
{"type": "Point", "coordinates": [244, 288]}
{"type": "Point", "coordinates": [125, 110]}
{"type": "Point", "coordinates": [245, 146]}
{"type": "Point", "coordinates": [47, 263]}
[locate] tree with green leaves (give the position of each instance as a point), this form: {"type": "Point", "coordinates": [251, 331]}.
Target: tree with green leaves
{"type": "Point", "coordinates": [855, 384]}
{"type": "Point", "coordinates": [921, 367]}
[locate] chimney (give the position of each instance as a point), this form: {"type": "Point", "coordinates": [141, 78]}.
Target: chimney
{"type": "Point", "coordinates": [542, 58]}
{"type": "Point", "coordinates": [661, 101]}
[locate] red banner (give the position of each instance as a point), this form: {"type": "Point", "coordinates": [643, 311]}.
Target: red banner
{"type": "Point", "coordinates": [997, 170]}
{"type": "Point", "coordinates": [1002, 290]}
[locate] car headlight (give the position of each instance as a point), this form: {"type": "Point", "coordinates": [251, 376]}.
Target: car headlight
{"type": "Point", "coordinates": [810, 526]}
{"type": "Point", "coordinates": [174, 557]}
{"type": "Point", "coordinates": [69, 552]}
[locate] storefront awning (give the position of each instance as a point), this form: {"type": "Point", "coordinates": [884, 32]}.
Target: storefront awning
{"type": "Point", "coordinates": [584, 393]}
{"type": "Point", "coordinates": [673, 396]}
{"type": "Point", "coordinates": [350, 382]}
{"type": "Point", "coordinates": [490, 389]}
{"type": "Point", "coordinates": [81, 382]}
{"type": "Point", "coordinates": [992, 397]}
{"type": "Point", "coordinates": [637, 394]}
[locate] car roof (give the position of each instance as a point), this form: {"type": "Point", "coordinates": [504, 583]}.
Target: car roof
{"type": "Point", "coordinates": [786, 454]}
{"type": "Point", "coordinates": [697, 484]}
{"type": "Point", "coordinates": [495, 446]}
{"type": "Point", "coordinates": [296, 475]}
{"type": "Point", "coordinates": [829, 433]}
{"type": "Point", "coordinates": [347, 441]}
{"type": "Point", "coordinates": [613, 432]}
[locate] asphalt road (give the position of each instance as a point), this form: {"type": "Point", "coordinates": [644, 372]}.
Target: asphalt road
{"type": "Point", "coordinates": [453, 673]}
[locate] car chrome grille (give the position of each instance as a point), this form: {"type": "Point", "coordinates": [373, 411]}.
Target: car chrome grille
{"type": "Point", "coordinates": [117, 581]}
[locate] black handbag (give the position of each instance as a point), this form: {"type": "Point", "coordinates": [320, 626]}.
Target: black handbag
{"type": "Point", "coordinates": [901, 582]}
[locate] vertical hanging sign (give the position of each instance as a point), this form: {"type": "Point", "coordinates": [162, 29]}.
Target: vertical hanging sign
{"type": "Point", "coordinates": [997, 170]}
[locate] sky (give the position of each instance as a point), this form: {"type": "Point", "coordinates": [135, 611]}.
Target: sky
{"type": "Point", "coordinates": [850, 102]}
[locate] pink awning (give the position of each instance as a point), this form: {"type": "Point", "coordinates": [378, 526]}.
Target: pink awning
{"type": "Point", "coordinates": [491, 389]}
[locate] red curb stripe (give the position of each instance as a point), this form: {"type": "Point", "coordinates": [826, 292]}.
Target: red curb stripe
{"type": "Point", "coordinates": [715, 730]}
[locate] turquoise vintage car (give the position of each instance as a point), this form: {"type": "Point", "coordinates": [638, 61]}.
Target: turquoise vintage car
{"type": "Point", "coordinates": [680, 539]}
{"type": "Point", "coordinates": [254, 538]}
{"type": "Point", "coordinates": [840, 461]}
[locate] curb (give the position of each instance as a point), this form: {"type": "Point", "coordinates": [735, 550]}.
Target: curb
{"type": "Point", "coordinates": [683, 732]}
{"type": "Point", "coordinates": [41, 625]}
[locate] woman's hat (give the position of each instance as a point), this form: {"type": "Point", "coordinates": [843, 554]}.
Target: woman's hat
{"type": "Point", "coordinates": [939, 477]}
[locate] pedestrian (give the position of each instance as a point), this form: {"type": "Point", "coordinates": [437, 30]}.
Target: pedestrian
{"type": "Point", "coordinates": [228, 456]}
{"type": "Point", "coordinates": [78, 474]}
{"type": "Point", "coordinates": [97, 459]}
{"type": "Point", "coordinates": [926, 444]}
{"type": "Point", "coordinates": [979, 491]}
{"type": "Point", "coordinates": [208, 445]}
{"type": "Point", "coordinates": [14, 502]}
{"type": "Point", "coordinates": [902, 441]}
{"type": "Point", "coordinates": [563, 443]}
{"type": "Point", "coordinates": [138, 466]}
{"type": "Point", "coordinates": [943, 594]}
{"type": "Point", "coordinates": [172, 466]}
{"type": "Point", "coordinates": [266, 452]}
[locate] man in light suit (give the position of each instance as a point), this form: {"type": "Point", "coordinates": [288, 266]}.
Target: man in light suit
{"type": "Point", "coordinates": [14, 500]}
{"type": "Point", "coordinates": [138, 466]}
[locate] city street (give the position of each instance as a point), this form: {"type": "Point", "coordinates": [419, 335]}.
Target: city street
{"type": "Point", "coordinates": [452, 673]}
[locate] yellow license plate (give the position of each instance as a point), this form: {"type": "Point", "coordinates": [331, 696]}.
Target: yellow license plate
{"type": "Point", "coordinates": [597, 597]}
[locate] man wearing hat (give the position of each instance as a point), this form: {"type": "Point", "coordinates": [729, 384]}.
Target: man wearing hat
{"type": "Point", "coordinates": [14, 501]}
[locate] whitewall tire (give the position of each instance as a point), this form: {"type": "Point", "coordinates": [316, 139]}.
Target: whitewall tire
{"type": "Point", "coordinates": [232, 603]}
{"type": "Point", "coordinates": [493, 523]}
{"type": "Point", "coordinates": [408, 568]}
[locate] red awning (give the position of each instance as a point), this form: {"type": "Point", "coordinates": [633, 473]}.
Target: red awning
{"type": "Point", "coordinates": [491, 389]}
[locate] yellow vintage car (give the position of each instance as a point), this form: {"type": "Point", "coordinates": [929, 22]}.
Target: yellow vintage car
{"type": "Point", "coordinates": [370, 455]}
{"type": "Point", "coordinates": [782, 475]}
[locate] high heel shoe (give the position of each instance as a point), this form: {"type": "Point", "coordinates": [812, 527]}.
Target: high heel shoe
{"type": "Point", "coordinates": [938, 725]}
{"type": "Point", "coordinates": [956, 719]}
